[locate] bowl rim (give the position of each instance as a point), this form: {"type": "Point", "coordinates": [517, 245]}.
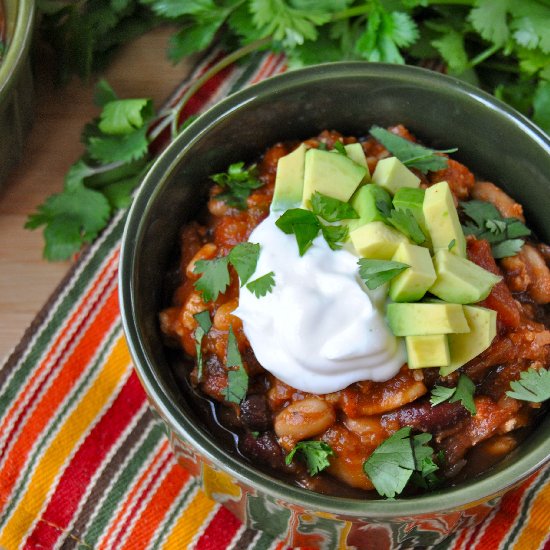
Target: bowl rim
{"type": "Point", "coordinates": [466, 494]}
{"type": "Point", "coordinates": [18, 46]}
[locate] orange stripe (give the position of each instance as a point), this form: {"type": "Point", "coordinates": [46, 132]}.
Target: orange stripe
{"type": "Point", "coordinates": [24, 392]}
{"type": "Point", "coordinates": [43, 413]}
{"type": "Point", "coordinates": [155, 512]}
{"type": "Point", "coordinates": [129, 499]}
{"type": "Point", "coordinates": [538, 522]}
{"type": "Point", "coordinates": [268, 63]}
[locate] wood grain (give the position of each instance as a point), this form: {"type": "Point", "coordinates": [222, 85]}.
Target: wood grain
{"type": "Point", "coordinates": [26, 280]}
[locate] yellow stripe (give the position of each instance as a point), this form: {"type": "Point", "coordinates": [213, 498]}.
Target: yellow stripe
{"type": "Point", "coordinates": [190, 521]}
{"type": "Point", "coordinates": [536, 528]}
{"type": "Point", "coordinates": [56, 455]}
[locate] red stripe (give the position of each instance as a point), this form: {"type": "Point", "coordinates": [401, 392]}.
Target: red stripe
{"type": "Point", "coordinates": [76, 478]}
{"type": "Point", "coordinates": [219, 532]}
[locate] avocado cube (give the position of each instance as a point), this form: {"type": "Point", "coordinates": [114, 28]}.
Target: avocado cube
{"type": "Point", "coordinates": [409, 198]}
{"type": "Point", "coordinates": [364, 202]}
{"type": "Point", "coordinates": [332, 174]}
{"type": "Point", "coordinates": [356, 154]}
{"type": "Point", "coordinates": [392, 174]}
{"type": "Point", "coordinates": [376, 240]}
{"type": "Point", "coordinates": [459, 280]}
{"type": "Point", "coordinates": [411, 284]}
{"type": "Point", "coordinates": [289, 180]}
{"type": "Point", "coordinates": [431, 350]}
{"type": "Point", "coordinates": [441, 219]}
{"type": "Point", "coordinates": [464, 347]}
{"type": "Point", "coordinates": [420, 319]}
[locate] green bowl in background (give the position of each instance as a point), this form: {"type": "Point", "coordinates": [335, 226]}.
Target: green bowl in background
{"type": "Point", "coordinates": [16, 86]}
{"type": "Point", "coordinates": [493, 140]}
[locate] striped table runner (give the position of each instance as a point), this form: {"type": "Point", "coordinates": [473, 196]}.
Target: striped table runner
{"type": "Point", "coordinates": [83, 461]}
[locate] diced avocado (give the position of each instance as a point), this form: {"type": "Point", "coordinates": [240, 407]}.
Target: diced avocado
{"type": "Point", "coordinates": [459, 280]}
{"type": "Point", "coordinates": [464, 347]}
{"type": "Point", "coordinates": [431, 350]}
{"type": "Point", "coordinates": [364, 203]}
{"type": "Point", "coordinates": [289, 180]}
{"type": "Point", "coordinates": [420, 319]}
{"type": "Point", "coordinates": [392, 174]}
{"type": "Point", "coordinates": [411, 284]}
{"type": "Point", "coordinates": [409, 198]}
{"type": "Point", "coordinates": [332, 174]}
{"type": "Point", "coordinates": [441, 219]}
{"type": "Point", "coordinates": [376, 240]}
{"type": "Point", "coordinates": [356, 154]}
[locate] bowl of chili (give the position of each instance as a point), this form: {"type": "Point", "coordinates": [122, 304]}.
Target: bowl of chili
{"type": "Point", "coordinates": [239, 461]}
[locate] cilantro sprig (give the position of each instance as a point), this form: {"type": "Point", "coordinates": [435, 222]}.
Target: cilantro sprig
{"type": "Point", "coordinates": [237, 377]}
{"type": "Point", "coordinates": [533, 385]}
{"type": "Point", "coordinates": [315, 454]}
{"type": "Point", "coordinates": [237, 184]}
{"type": "Point", "coordinates": [205, 324]}
{"type": "Point", "coordinates": [377, 272]}
{"type": "Point", "coordinates": [395, 460]}
{"type": "Point", "coordinates": [463, 392]}
{"type": "Point", "coordinates": [506, 235]}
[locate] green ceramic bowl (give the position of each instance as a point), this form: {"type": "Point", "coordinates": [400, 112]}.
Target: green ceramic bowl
{"type": "Point", "coordinates": [16, 89]}
{"type": "Point", "coordinates": [493, 140]}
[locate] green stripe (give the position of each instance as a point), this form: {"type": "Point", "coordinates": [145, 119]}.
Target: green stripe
{"type": "Point", "coordinates": [264, 542]}
{"type": "Point", "coordinates": [174, 515]}
{"type": "Point", "coordinates": [59, 419]}
{"type": "Point", "coordinates": [255, 61]}
{"type": "Point", "coordinates": [121, 486]}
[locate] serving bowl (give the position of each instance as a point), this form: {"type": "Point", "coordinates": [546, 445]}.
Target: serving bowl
{"type": "Point", "coordinates": [16, 86]}
{"type": "Point", "coordinates": [493, 140]}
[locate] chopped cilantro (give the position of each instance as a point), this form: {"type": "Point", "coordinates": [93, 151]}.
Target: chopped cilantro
{"type": "Point", "coordinates": [404, 221]}
{"type": "Point", "coordinates": [463, 392]}
{"type": "Point", "coordinates": [331, 209]}
{"type": "Point", "coordinates": [451, 244]}
{"type": "Point", "coordinates": [335, 235]}
{"type": "Point", "coordinates": [315, 454]}
{"type": "Point", "coordinates": [377, 272]}
{"type": "Point", "coordinates": [303, 224]}
{"type": "Point", "coordinates": [441, 394]}
{"type": "Point", "coordinates": [533, 385]}
{"type": "Point", "coordinates": [409, 153]}
{"type": "Point", "coordinates": [237, 377]}
{"type": "Point", "coordinates": [244, 258]}
{"type": "Point", "coordinates": [507, 248]}
{"type": "Point", "coordinates": [203, 319]}
{"type": "Point", "coordinates": [262, 285]}
{"type": "Point", "coordinates": [237, 183]}
{"type": "Point", "coordinates": [214, 277]}
{"type": "Point", "coordinates": [339, 146]}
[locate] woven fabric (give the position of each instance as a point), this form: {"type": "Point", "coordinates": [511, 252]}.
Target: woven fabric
{"type": "Point", "coordinates": [83, 461]}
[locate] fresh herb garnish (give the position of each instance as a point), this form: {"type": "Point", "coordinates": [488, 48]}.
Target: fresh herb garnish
{"type": "Point", "coordinates": [405, 222]}
{"type": "Point", "coordinates": [331, 209]}
{"type": "Point", "coordinates": [463, 392]}
{"type": "Point", "coordinates": [424, 474]}
{"type": "Point", "coordinates": [451, 244]}
{"type": "Point", "coordinates": [533, 385]}
{"type": "Point", "coordinates": [205, 324]}
{"type": "Point", "coordinates": [394, 461]}
{"type": "Point", "coordinates": [214, 277]}
{"type": "Point", "coordinates": [377, 272]}
{"type": "Point", "coordinates": [244, 258]}
{"type": "Point", "coordinates": [411, 154]}
{"type": "Point", "coordinates": [237, 377]}
{"type": "Point", "coordinates": [262, 285]}
{"type": "Point", "coordinates": [487, 223]}
{"type": "Point", "coordinates": [339, 146]}
{"type": "Point", "coordinates": [237, 183]}
{"type": "Point", "coordinates": [335, 235]}
{"type": "Point", "coordinates": [303, 224]}
{"type": "Point", "coordinates": [315, 454]}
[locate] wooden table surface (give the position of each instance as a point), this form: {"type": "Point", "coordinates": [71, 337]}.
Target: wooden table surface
{"type": "Point", "coordinates": [26, 280]}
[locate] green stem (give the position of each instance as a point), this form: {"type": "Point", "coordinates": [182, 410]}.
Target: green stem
{"type": "Point", "coordinates": [175, 113]}
{"type": "Point", "coordinates": [352, 12]}
{"type": "Point", "coordinates": [484, 55]}
{"type": "Point", "coordinates": [502, 67]}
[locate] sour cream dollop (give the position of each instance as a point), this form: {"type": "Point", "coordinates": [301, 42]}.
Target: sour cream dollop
{"type": "Point", "coordinates": [320, 329]}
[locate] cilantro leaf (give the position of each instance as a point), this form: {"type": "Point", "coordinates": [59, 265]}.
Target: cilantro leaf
{"type": "Point", "coordinates": [196, 35]}
{"type": "Point", "coordinates": [203, 319]}
{"type": "Point", "coordinates": [451, 244]}
{"type": "Point", "coordinates": [214, 277]}
{"type": "Point", "coordinates": [405, 222]}
{"type": "Point", "coordinates": [237, 378]}
{"type": "Point", "coordinates": [315, 454]}
{"type": "Point", "coordinates": [489, 19]}
{"type": "Point", "coordinates": [331, 209]}
{"type": "Point", "coordinates": [377, 272]}
{"type": "Point", "coordinates": [533, 385]}
{"type": "Point", "coordinates": [391, 464]}
{"type": "Point", "coordinates": [507, 248]}
{"type": "Point", "coordinates": [303, 224]}
{"type": "Point", "coordinates": [339, 146]}
{"type": "Point", "coordinates": [237, 183]}
{"type": "Point", "coordinates": [244, 258]}
{"type": "Point", "coordinates": [335, 235]}
{"type": "Point", "coordinates": [463, 392]}
{"type": "Point", "coordinates": [122, 116]}
{"type": "Point", "coordinates": [262, 285]}
{"type": "Point", "coordinates": [119, 148]}
{"type": "Point", "coordinates": [450, 45]}
{"type": "Point", "coordinates": [409, 153]}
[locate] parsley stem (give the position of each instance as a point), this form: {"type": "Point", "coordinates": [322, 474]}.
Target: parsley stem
{"type": "Point", "coordinates": [485, 54]}
{"type": "Point", "coordinates": [173, 117]}
{"type": "Point", "coordinates": [352, 12]}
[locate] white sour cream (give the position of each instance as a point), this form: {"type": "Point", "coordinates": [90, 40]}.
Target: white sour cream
{"type": "Point", "coordinates": [320, 329]}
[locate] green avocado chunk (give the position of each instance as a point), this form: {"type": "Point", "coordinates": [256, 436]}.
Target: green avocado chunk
{"type": "Point", "coordinates": [356, 154]}
{"type": "Point", "coordinates": [459, 280]}
{"type": "Point", "coordinates": [376, 240]}
{"type": "Point", "coordinates": [414, 282]}
{"type": "Point", "coordinates": [442, 221]}
{"type": "Point", "coordinates": [420, 319]}
{"type": "Point", "coordinates": [392, 174]}
{"type": "Point", "coordinates": [464, 347]}
{"type": "Point", "coordinates": [289, 180]}
{"type": "Point", "coordinates": [431, 350]}
{"type": "Point", "coordinates": [331, 174]}
{"type": "Point", "coordinates": [364, 202]}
